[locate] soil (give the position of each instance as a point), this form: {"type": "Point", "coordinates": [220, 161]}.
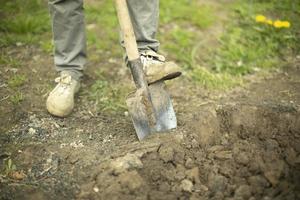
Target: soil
{"type": "Point", "coordinates": [238, 144]}
{"type": "Point", "coordinates": [242, 144]}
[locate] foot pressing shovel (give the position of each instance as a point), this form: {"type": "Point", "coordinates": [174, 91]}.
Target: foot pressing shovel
{"type": "Point", "coordinates": [150, 107]}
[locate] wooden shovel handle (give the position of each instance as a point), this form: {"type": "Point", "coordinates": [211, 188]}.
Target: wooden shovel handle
{"type": "Point", "coordinates": [127, 30]}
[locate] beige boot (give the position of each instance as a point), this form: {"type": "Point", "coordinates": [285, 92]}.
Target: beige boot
{"type": "Point", "coordinates": [60, 101]}
{"type": "Point", "coordinates": [156, 67]}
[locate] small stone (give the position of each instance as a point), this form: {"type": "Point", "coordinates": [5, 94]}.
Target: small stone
{"type": "Point", "coordinates": [164, 186]}
{"type": "Point", "coordinates": [77, 144]}
{"type": "Point", "coordinates": [203, 188]}
{"type": "Point", "coordinates": [227, 169]}
{"type": "Point", "coordinates": [17, 175]}
{"type": "Point", "coordinates": [166, 153]}
{"type": "Point", "coordinates": [274, 171]}
{"type": "Point", "coordinates": [189, 163]}
{"type": "Point", "coordinates": [186, 185]}
{"type": "Point", "coordinates": [223, 155]}
{"type": "Point", "coordinates": [126, 114]}
{"type": "Point", "coordinates": [195, 144]}
{"type": "Point", "coordinates": [96, 189]}
{"type": "Point", "coordinates": [122, 164]}
{"type": "Point", "coordinates": [179, 156]}
{"type": "Point", "coordinates": [244, 191]}
{"type": "Point", "coordinates": [242, 158]}
{"type": "Point", "coordinates": [193, 175]}
{"type": "Point", "coordinates": [31, 131]}
{"type": "Point", "coordinates": [180, 172]}
{"type": "Point", "coordinates": [216, 182]}
{"type": "Point", "coordinates": [179, 137]}
{"type": "Point", "coordinates": [258, 183]}
{"type": "Point", "coordinates": [291, 156]}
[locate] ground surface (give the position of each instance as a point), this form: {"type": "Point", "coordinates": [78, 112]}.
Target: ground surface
{"type": "Point", "coordinates": [237, 144]}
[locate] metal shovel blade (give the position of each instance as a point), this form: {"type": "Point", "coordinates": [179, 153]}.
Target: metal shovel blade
{"type": "Point", "coordinates": [139, 113]}
{"type": "Point", "coordinates": [147, 120]}
{"type": "Point", "coordinates": [164, 112]}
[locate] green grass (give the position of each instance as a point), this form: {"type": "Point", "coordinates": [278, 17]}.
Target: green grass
{"type": "Point", "coordinates": [186, 12]}
{"type": "Point", "coordinates": [248, 46]}
{"type": "Point", "coordinates": [213, 80]}
{"type": "Point", "coordinates": [105, 34]}
{"type": "Point", "coordinates": [181, 22]}
{"type": "Point", "coordinates": [16, 98]}
{"type": "Point", "coordinates": [16, 81]}
{"type": "Point", "coordinates": [47, 46]}
{"type": "Point", "coordinates": [108, 95]}
{"type": "Point", "coordinates": [8, 167]}
{"type": "Point", "coordinates": [23, 21]}
{"type": "Point", "coordinates": [244, 48]}
{"type": "Point", "coordinates": [9, 61]}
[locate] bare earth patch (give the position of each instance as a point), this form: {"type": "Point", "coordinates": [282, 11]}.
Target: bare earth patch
{"type": "Point", "coordinates": [243, 144]}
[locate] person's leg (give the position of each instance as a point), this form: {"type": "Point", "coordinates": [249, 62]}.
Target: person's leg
{"type": "Point", "coordinates": [69, 53]}
{"type": "Point", "coordinates": [144, 16]}
{"type": "Point", "coordinates": [68, 35]}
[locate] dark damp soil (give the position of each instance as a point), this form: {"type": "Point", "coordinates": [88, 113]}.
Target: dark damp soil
{"type": "Point", "coordinates": [242, 144]}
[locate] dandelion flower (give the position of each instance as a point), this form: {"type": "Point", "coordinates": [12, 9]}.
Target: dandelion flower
{"type": "Point", "coordinates": [286, 24]}
{"type": "Point", "coordinates": [270, 22]}
{"type": "Point", "coordinates": [260, 18]}
{"type": "Point", "coordinates": [278, 24]}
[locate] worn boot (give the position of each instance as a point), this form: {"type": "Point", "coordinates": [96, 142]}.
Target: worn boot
{"type": "Point", "coordinates": [156, 67]}
{"type": "Point", "coordinates": [60, 101]}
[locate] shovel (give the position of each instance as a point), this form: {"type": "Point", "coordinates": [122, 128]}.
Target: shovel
{"type": "Point", "coordinates": [150, 106]}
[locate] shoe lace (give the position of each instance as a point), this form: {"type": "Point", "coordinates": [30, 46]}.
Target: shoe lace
{"type": "Point", "coordinates": [149, 60]}
{"type": "Point", "coordinates": [64, 81]}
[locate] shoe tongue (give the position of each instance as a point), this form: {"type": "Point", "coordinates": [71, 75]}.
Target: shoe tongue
{"type": "Point", "coordinates": [65, 79]}
{"type": "Point", "coordinates": [155, 55]}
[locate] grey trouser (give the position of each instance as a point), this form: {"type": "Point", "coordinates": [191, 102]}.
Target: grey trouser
{"type": "Point", "coordinates": [69, 31]}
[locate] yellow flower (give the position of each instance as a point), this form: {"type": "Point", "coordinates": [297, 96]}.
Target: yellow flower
{"type": "Point", "coordinates": [260, 18]}
{"type": "Point", "coordinates": [286, 24]}
{"type": "Point", "coordinates": [278, 24]}
{"type": "Point", "coordinates": [270, 22]}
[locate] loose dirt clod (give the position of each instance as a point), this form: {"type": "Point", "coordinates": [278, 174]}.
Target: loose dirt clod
{"type": "Point", "coordinates": [243, 191]}
{"type": "Point", "coordinates": [186, 185]}
{"type": "Point", "coordinates": [128, 162]}
{"type": "Point", "coordinates": [193, 175]}
{"type": "Point", "coordinates": [166, 153]}
{"type": "Point", "coordinates": [132, 180]}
